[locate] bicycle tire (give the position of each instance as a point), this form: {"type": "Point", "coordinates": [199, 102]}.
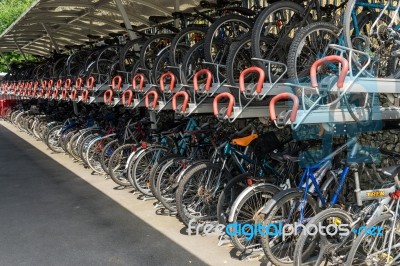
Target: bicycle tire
{"type": "Point", "coordinates": [333, 213]}
{"type": "Point", "coordinates": [291, 198]}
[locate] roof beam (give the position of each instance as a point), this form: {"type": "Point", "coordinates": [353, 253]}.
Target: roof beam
{"type": "Point", "coordinates": [51, 37]}
{"type": "Point", "coordinates": [19, 49]}
{"type": "Point", "coordinates": [126, 20]}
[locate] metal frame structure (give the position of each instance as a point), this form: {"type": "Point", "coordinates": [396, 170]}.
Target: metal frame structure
{"type": "Point", "coordinates": [51, 24]}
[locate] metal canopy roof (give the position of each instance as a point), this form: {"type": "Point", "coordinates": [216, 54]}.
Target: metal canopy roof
{"type": "Point", "coordinates": [51, 24]}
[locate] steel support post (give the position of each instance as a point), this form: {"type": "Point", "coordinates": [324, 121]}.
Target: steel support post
{"type": "Point", "coordinates": [53, 42]}
{"type": "Point", "coordinates": [19, 49]}
{"type": "Point", "coordinates": [125, 18]}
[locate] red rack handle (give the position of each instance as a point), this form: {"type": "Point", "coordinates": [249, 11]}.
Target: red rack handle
{"type": "Point", "coordinates": [44, 84]}
{"type": "Point", "coordinates": [64, 94]}
{"type": "Point", "coordinates": [108, 96]}
{"type": "Point", "coordinates": [85, 95]}
{"type": "Point", "coordinates": [50, 84]}
{"type": "Point", "coordinates": [67, 84]}
{"type": "Point", "coordinates": [78, 83]}
{"type": "Point", "coordinates": [284, 96]}
{"type": "Point", "coordinates": [55, 93]}
{"type": "Point", "coordinates": [162, 81]}
{"type": "Point", "coordinates": [127, 98]}
{"type": "Point", "coordinates": [330, 58]}
{"type": "Point", "coordinates": [139, 76]}
{"type": "Point", "coordinates": [90, 83]}
{"type": "Point", "coordinates": [73, 94]}
{"type": "Point", "coordinates": [208, 81]}
{"type": "Point", "coordinates": [155, 99]}
{"type": "Point", "coordinates": [116, 83]}
{"type": "Point", "coordinates": [185, 96]}
{"type": "Point", "coordinates": [59, 84]}
{"type": "Point", "coordinates": [253, 69]}
{"type": "Point", "coordinates": [220, 96]}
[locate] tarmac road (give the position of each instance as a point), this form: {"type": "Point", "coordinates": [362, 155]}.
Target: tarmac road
{"type": "Point", "coordinates": [54, 212]}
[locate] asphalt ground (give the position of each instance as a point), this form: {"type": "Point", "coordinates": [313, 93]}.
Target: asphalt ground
{"type": "Point", "coordinates": [55, 212]}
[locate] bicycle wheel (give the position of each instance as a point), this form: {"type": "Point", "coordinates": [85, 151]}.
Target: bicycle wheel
{"type": "Point", "coordinates": [193, 61]}
{"type": "Point", "coordinates": [229, 194]}
{"type": "Point", "coordinates": [359, 34]}
{"type": "Point", "coordinates": [222, 33]}
{"type": "Point", "coordinates": [282, 20]}
{"type": "Point", "coordinates": [324, 234]}
{"type": "Point", "coordinates": [155, 170]}
{"type": "Point", "coordinates": [248, 211]}
{"type": "Point", "coordinates": [151, 48]}
{"type": "Point", "coordinates": [198, 192]}
{"type": "Point", "coordinates": [183, 41]}
{"type": "Point", "coordinates": [106, 154]}
{"type": "Point", "coordinates": [117, 163]}
{"type": "Point", "coordinates": [129, 55]}
{"type": "Point", "coordinates": [309, 45]}
{"type": "Point", "coordinates": [140, 171]}
{"type": "Point", "coordinates": [93, 153]}
{"type": "Point", "coordinates": [53, 139]}
{"type": "Point", "coordinates": [373, 249]}
{"type": "Point", "coordinates": [286, 210]}
{"type": "Point", "coordinates": [167, 182]}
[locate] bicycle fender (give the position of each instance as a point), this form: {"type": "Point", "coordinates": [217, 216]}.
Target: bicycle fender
{"type": "Point", "coordinates": [272, 202]}
{"type": "Point", "coordinates": [244, 194]}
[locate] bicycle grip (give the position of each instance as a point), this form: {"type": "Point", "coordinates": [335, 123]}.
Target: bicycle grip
{"type": "Point", "coordinates": [155, 99]}
{"type": "Point", "coordinates": [139, 76]}
{"type": "Point", "coordinates": [261, 78]}
{"type": "Point", "coordinates": [185, 96]}
{"type": "Point", "coordinates": [230, 104]}
{"type": "Point", "coordinates": [208, 81]}
{"type": "Point", "coordinates": [116, 83]}
{"type": "Point", "coordinates": [330, 58]}
{"type": "Point", "coordinates": [162, 81]}
{"type": "Point", "coordinates": [284, 96]}
{"type": "Point", "coordinates": [127, 102]}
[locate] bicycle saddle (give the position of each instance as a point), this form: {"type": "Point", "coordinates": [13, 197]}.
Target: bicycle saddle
{"type": "Point", "coordinates": [93, 37]}
{"type": "Point", "coordinates": [391, 171]}
{"type": "Point", "coordinates": [116, 34]}
{"type": "Point", "coordinates": [181, 14]}
{"type": "Point", "coordinates": [158, 19]}
{"type": "Point", "coordinates": [245, 141]}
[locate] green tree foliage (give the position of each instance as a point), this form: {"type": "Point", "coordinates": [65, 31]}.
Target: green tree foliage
{"type": "Point", "coordinates": [10, 10]}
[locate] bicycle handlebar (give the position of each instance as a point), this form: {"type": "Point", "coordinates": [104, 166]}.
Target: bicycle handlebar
{"type": "Point", "coordinates": [185, 96]}
{"type": "Point", "coordinates": [252, 69]}
{"type": "Point", "coordinates": [283, 96]}
{"type": "Point", "coordinates": [208, 82]}
{"type": "Point", "coordinates": [330, 58]}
